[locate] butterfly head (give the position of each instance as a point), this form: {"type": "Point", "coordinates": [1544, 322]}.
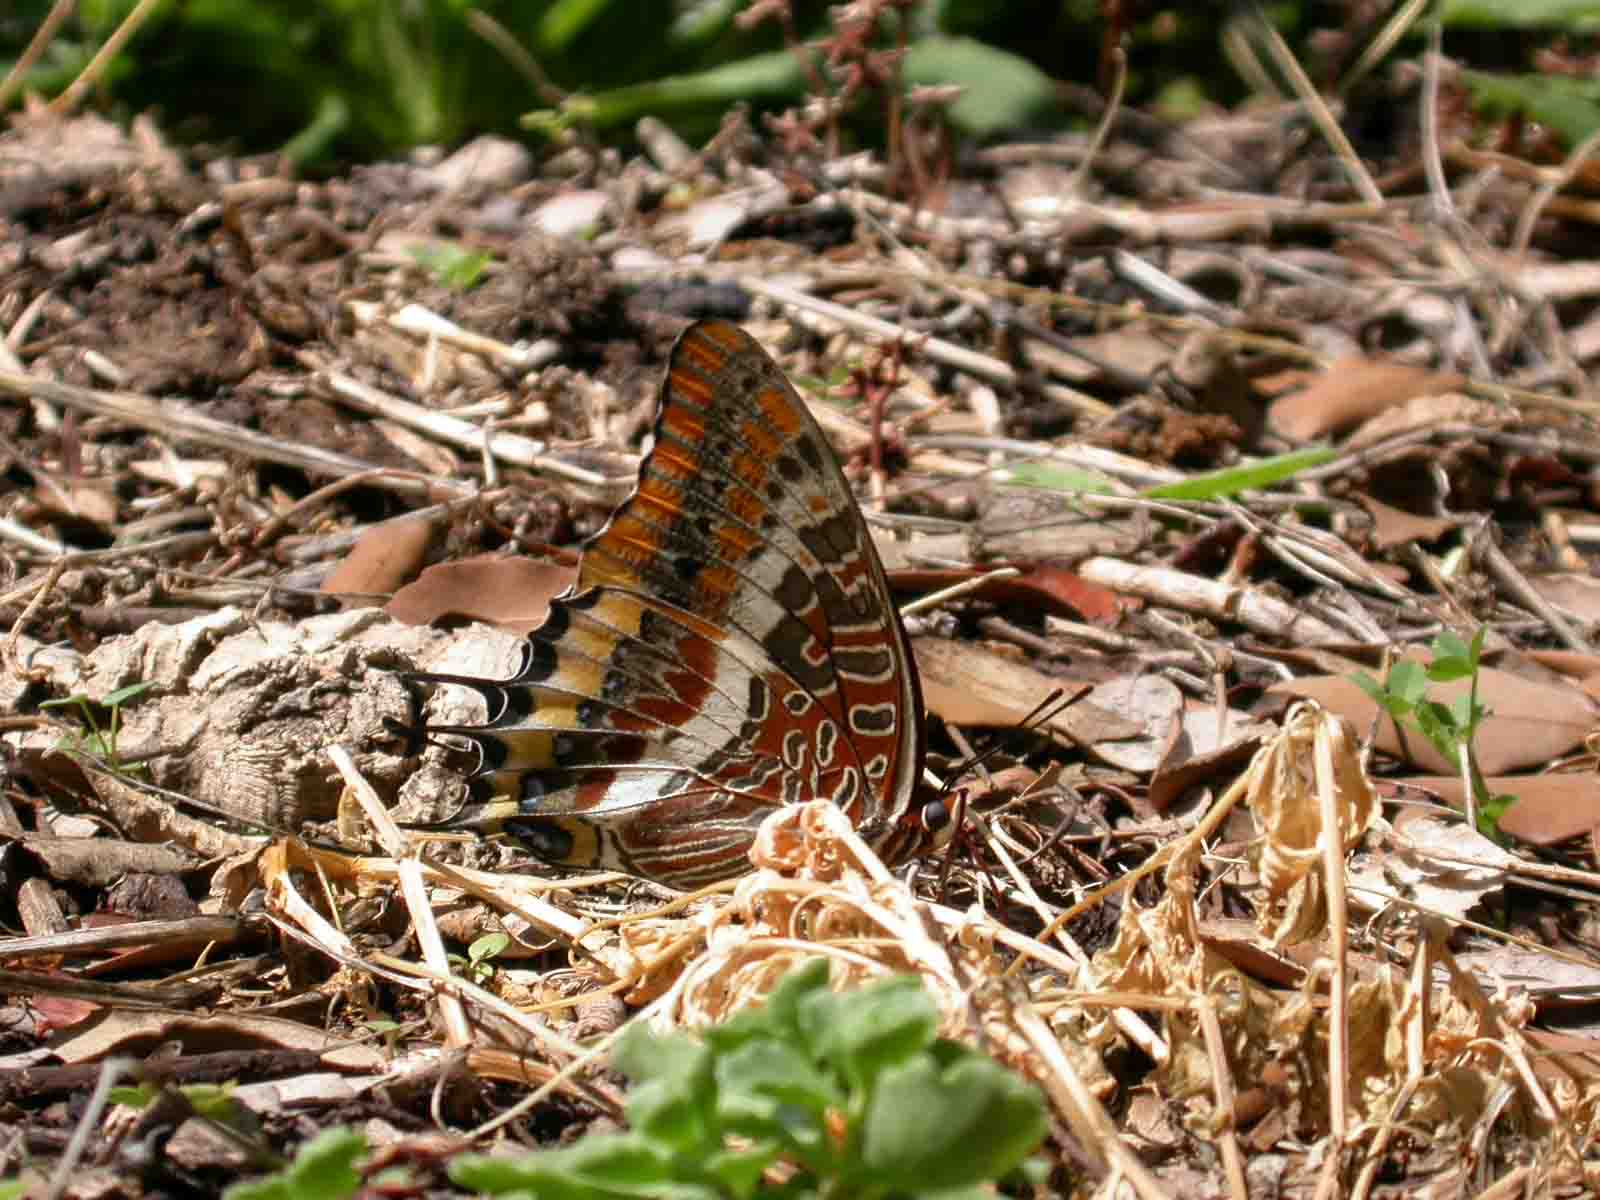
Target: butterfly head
{"type": "Point", "coordinates": [926, 825]}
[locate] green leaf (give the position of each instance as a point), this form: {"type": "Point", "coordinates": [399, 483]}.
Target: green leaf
{"type": "Point", "coordinates": [770, 1089]}
{"type": "Point", "coordinates": [1438, 726]}
{"type": "Point", "coordinates": [1230, 481]}
{"type": "Point", "coordinates": [1464, 714]}
{"type": "Point", "coordinates": [564, 20]}
{"type": "Point", "coordinates": [740, 1171]}
{"type": "Point", "coordinates": [1449, 645]}
{"type": "Point", "coordinates": [1445, 670]}
{"type": "Point", "coordinates": [1055, 477]}
{"type": "Point", "coordinates": [124, 694]}
{"type": "Point", "coordinates": [956, 1127]}
{"type": "Point", "coordinates": [673, 1102]}
{"type": "Point", "coordinates": [778, 1071]}
{"type": "Point", "coordinates": [489, 946]}
{"type": "Point", "coordinates": [1570, 107]}
{"type": "Point", "coordinates": [1002, 91]}
{"type": "Point", "coordinates": [1408, 680]}
{"type": "Point", "coordinates": [1574, 16]}
{"type": "Point", "coordinates": [1374, 689]}
{"type": "Point", "coordinates": [324, 1169]}
{"type": "Point", "coordinates": [598, 1166]}
{"type": "Point", "coordinates": [451, 265]}
{"type": "Point", "coordinates": [1491, 812]}
{"type": "Point", "coordinates": [865, 1032]}
{"type": "Point", "coordinates": [774, 76]}
{"type": "Point", "coordinates": [137, 1096]}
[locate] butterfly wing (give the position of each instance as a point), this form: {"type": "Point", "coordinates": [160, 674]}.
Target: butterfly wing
{"type": "Point", "coordinates": [731, 645]}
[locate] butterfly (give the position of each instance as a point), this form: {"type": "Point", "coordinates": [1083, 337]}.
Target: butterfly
{"type": "Point", "coordinates": [730, 646]}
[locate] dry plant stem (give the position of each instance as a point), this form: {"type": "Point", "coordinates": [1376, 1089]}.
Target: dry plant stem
{"type": "Point", "coordinates": [90, 75]}
{"type": "Point", "coordinates": [8, 650]}
{"type": "Point", "coordinates": [1088, 1118]}
{"type": "Point", "coordinates": [1333, 852]}
{"type": "Point", "coordinates": [224, 930]}
{"type": "Point", "coordinates": [1534, 208]}
{"type": "Point", "coordinates": [501, 38]}
{"type": "Point", "coordinates": [564, 1077]}
{"type": "Point", "coordinates": [1133, 1026]}
{"type": "Point", "coordinates": [268, 532]}
{"type": "Point", "coordinates": [458, 1030]}
{"type": "Point", "coordinates": [390, 836]}
{"type": "Point", "coordinates": [36, 542]}
{"type": "Point", "coordinates": [42, 37]}
{"type": "Point", "coordinates": [1418, 990]}
{"type": "Point", "coordinates": [1253, 608]}
{"type": "Point", "coordinates": [1307, 92]}
{"type": "Point", "coordinates": [501, 890]}
{"type": "Point", "coordinates": [507, 447]}
{"type": "Point", "coordinates": [1510, 1043]}
{"type": "Point", "coordinates": [1242, 57]}
{"type": "Point", "coordinates": [176, 420]}
{"type": "Point", "coordinates": [1397, 26]}
{"type": "Point", "coordinates": [940, 351]}
{"type": "Point", "coordinates": [1226, 1095]}
{"type": "Point", "coordinates": [111, 1072]}
{"type": "Point", "coordinates": [108, 995]}
{"type": "Point", "coordinates": [1207, 826]}
{"type": "Point", "coordinates": [1515, 582]}
{"type": "Point", "coordinates": [550, 1043]}
{"type": "Point", "coordinates": [1119, 61]}
{"type": "Point", "coordinates": [1433, 166]}
{"type": "Point", "coordinates": [956, 590]}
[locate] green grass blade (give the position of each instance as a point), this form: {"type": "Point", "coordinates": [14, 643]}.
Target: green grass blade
{"type": "Point", "coordinates": [1230, 481]}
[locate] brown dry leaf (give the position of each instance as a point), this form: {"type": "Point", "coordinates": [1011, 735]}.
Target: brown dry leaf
{"type": "Point", "coordinates": [1202, 752]}
{"type": "Point", "coordinates": [1582, 669]}
{"type": "Point", "coordinates": [1284, 787]}
{"type": "Point", "coordinates": [1549, 808]}
{"type": "Point", "coordinates": [1395, 527]}
{"type": "Point", "coordinates": [511, 593]}
{"type": "Point", "coordinates": [1047, 587]}
{"type": "Point", "coordinates": [1578, 595]}
{"type": "Point", "coordinates": [1439, 863]}
{"type": "Point", "coordinates": [1426, 413]}
{"type": "Point", "coordinates": [94, 501]}
{"type": "Point", "coordinates": [969, 685]}
{"type": "Point", "coordinates": [123, 1032]}
{"type": "Point", "coordinates": [100, 862]}
{"type": "Point", "coordinates": [1351, 391]}
{"type": "Point", "coordinates": [1155, 706]}
{"type": "Point", "coordinates": [383, 558]}
{"type": "Point", "coordinates": [1529, 723]}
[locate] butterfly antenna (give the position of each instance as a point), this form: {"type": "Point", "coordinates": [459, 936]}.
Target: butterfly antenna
{"type": "Point", "coordinates": [1052, 706]}
{"type": "Point", "coordinates": [1048, 709]}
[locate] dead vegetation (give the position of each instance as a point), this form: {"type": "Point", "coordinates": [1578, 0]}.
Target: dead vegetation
{"type": "Point", "coordinates": [241, 411]}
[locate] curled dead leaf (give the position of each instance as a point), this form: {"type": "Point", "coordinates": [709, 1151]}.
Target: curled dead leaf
{"type": "Point", "coordinates": [511, 593]}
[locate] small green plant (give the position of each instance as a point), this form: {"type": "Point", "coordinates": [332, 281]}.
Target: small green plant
{"type": "Point", "coordinates": [324, 1169]}
{"type": "Point", "coordinates": [212, 1101]}
{"type": "Point", "coordinates": [98, 743]}
{"type": "Point", "coordinates": [852, 1097]}
{"type": "Point", "coordinates": [478, 966]}
{"type": "Point", "coordinates": [1451, 728]}
{"type": "Point", "coordinates": [451, 265]}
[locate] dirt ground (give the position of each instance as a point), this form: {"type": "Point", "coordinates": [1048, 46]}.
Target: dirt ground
{"type": "Point", "coordinates": [241, 413]}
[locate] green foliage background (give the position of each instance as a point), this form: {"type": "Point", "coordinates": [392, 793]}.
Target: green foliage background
{"type": "Point", "coordinates": [335, 80]}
